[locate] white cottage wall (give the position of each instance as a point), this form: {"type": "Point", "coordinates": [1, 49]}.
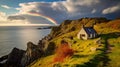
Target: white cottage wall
{"type": "Point", "coordinates": [82, 31]}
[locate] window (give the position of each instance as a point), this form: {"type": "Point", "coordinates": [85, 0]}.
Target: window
{"type": "Point", "coordinates": [83, 35]}
{"type": "Point", "coordinates": [90, 35]}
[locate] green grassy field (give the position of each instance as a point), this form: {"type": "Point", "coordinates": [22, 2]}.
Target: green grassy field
{"type": "Point", "coordinates": [115, 52]}
{"type": "Point", "coordinates": [87, 53]}
{"type": "Point", "coordinates": [84, 51]}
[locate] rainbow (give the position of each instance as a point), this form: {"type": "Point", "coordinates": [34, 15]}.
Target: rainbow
{"type": "Point", "coordinates": [45, 17]}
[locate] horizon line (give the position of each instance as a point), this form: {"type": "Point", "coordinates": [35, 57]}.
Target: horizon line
{"type": "Point", "coordinates": [29, 24]}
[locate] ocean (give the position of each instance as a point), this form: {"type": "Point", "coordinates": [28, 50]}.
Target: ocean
{"type": "Point", "coordinates": [18, 36]}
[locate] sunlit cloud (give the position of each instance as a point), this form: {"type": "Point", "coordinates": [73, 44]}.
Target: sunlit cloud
{"type": "Point", "coordinates": [5, 6]}
{"type": "Point", "coordinates": [64, 9]}
{"type": "Point", "coordinates": [111, 9]}
{"type": "Point", "coordinates": [2, 16]}
{"type": "Point", "coordinates": [60, 10]}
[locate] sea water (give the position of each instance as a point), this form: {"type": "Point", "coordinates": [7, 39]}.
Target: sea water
{"type": "Point", "coordinates": [18, 36]}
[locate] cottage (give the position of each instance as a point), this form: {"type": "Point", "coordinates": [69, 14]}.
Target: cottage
{"type": "Point", "coordinates": [87, 33]}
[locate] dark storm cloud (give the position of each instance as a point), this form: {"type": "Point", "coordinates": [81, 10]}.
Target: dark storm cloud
{"type": "Point", "coordinates": [72, 9]}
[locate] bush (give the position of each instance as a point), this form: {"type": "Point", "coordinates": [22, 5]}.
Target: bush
{"type": "Point", "coordinates": [62, 52]}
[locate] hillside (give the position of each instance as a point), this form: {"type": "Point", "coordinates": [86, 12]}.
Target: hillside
{"type": "Point", "coordinates": [99, 52]}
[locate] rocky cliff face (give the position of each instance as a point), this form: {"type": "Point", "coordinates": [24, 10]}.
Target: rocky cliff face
{"type": "Point", "coordinates": [14, 58]}
{"type": "Point", "coordinates": [32, 53]}
{"type": "Point", "coordinates": [21, 58]}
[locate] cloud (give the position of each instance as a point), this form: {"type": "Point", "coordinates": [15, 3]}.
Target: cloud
{"type": "Point", "coordinates": [93, 11]}
{"type": "Point", "coordinates": [67, 9]}
{"type": "Point", "coordinates": [5, 6]}
{"type": "Point", "coordinates": [4, 19]}
{"type": "Point", "coordinates": [16, 18]}
{"type": "Point", "coordinates": [111, 9]}
{"type": "Point", "coordinates": [2, 16]}
{"type": "Point", "coordinates": [52, 10]}
{"type": "Point", "coordinates": [60, 10]}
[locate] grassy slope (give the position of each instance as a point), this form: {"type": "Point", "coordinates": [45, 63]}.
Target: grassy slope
{"type": "Point", "coordinates": [84, 51]}
{"type": "Point", "coordinates": [115, 53]}
{"type": "Point", "coordinates": [85, 54]}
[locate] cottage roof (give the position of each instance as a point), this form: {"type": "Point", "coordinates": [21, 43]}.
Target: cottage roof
{"type": "Point", "coordinates": [89, 30]}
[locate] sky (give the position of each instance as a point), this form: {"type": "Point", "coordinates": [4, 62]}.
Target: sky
{"type": "Point", "coordinates": [55, 11]}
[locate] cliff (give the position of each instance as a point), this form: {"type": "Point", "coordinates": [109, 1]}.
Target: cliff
{"type": "Point", "coordinates": [32, 53]}
{"type": "Point", "coordinates": [14, 58]}
{"type": "Point", "coordinates": [84, 53]}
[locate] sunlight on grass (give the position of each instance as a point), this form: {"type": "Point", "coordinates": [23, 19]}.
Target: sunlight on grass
{"type": "Point", "coordinates": [87, 53]}
{"type": "Point", "coordinates": [115, 55]}
{"type": "Point", "coordinates": [83, 51]}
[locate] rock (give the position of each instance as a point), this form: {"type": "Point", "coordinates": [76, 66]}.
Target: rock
{"type": "Point", "coordinates": [32, 53]}
{"type": "Point", "coordinates": [50, 49]}
{"type": "Point", "coordinates": [3, 58]}
{"type": "Point", "coordinates": [41, 44]}
{"type": "Point", "coordinates": [2, 65]}
{"type": "Point", "coordinates": [14, 58]}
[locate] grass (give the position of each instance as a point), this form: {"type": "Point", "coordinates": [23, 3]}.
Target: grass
{"type": "Point", "coordinates": [84, 51]}
{"type": "Point", "coordinates": [87, 53]}
{"type": "Point", "coordinates": [43, 62]}
{"type": "Point", "coordinates": [115, 52]}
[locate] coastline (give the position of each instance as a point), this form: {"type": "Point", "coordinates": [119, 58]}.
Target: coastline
{"type": "Point", "coordinates": [17, 53]}
{"type": "Point", "coordinates": [90, 49]}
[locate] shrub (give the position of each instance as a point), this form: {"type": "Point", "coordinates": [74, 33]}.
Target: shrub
{"type": "Point", "coordinates": [63, 51]}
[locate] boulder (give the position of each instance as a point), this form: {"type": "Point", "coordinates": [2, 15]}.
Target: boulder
{"type": "Point", "coordinates": [32, 53]}
{"type": "Point", "coordinates": [3, 58]}
{"type": "Point", "coordinates": [14, 58]}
